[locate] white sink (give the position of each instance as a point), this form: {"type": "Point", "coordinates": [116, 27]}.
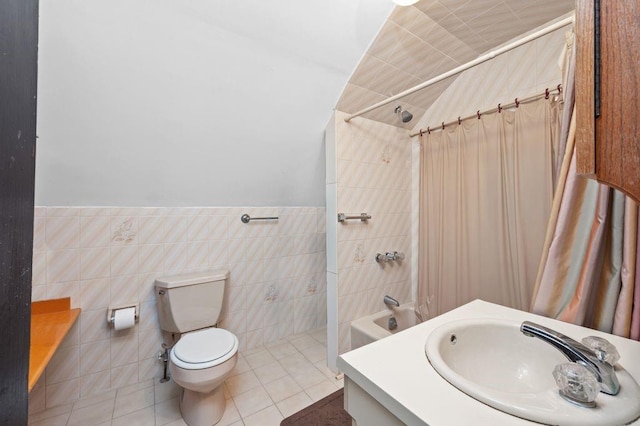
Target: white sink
{"type": "Point", "coordinates": [493, 362]}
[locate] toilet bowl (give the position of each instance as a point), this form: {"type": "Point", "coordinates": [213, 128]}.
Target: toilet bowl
{"type": "Point", "coordinates": [199, 363]}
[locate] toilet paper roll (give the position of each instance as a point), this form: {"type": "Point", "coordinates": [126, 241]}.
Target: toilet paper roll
{"type": "Point", "coordinates": [124, 318]}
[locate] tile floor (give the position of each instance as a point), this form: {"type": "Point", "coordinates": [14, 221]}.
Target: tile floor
{"type": "Point", "coordinates": [269, 383]}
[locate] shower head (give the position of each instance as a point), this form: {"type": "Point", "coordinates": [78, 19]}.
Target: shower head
{"type": "Point", "coordinates": [405, 116]}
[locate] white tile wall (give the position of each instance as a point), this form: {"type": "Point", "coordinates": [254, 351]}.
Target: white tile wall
{"type": "Point", "coordinates": [524, 71]}
{"type": "Point", "coordinates": [373, 176]}
{"type": "Point", "coordinates": [419, 42]}
{"type": "Point", "coordinates": [111, 256]}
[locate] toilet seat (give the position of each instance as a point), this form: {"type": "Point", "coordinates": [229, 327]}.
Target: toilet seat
{"type": "Point", "coordinates": [204, 349]}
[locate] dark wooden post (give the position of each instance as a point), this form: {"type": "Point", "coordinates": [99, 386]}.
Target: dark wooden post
{"type": "Point", "coordinates": [18, 85]}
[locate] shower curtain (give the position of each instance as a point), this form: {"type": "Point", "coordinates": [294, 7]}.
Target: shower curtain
{"type": "Point", "coordinates": [588, 269]}
{"type": "Point", "coordinates": [486, 193]}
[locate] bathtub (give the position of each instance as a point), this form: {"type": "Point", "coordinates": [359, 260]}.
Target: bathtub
{"type": "Point", "coordinates": [376, 326]}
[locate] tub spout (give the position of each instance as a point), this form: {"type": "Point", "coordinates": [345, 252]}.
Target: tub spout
{"type": "Point", "coordinates": [390, 301]}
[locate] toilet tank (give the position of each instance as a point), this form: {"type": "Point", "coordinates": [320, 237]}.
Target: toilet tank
{"type": "Point", "coordinates": [189, 302]}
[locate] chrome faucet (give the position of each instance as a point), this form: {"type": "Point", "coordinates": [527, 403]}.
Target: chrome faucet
{"type": "Point", "coordinates": [389, 256]}
{"type": "Point", "coordinates": [390, 301]}
{"type": "Point", "coordinates": [578, 353]}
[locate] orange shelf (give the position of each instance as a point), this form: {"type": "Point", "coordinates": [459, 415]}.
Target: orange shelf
{"type": "Point", "coordinates": [51, 320]}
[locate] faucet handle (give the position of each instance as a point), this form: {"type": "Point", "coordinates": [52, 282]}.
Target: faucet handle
{"type": "Point", "coordinates": [604, 350]}
{"type": "Point", "coordinates": [577, 383]}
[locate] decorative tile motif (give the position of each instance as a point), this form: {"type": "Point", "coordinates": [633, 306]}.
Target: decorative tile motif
{"type": "Point", "coordinates": [386, 154]}
{"type": "Point", "coordinates": [272, 294]}
{"type": "Point", "coordinates": [312, 287]}
{"type": "Point", "coordinates": [359, 256]}
{"type": "Point", "coordinates": [124, 232]}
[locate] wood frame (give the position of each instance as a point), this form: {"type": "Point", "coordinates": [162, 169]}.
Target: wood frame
{"type": "Point", "coordinates": [585, 85]}
{"type": "Point", "coordinates": [18, 89]}
{"type": "Point", "coordinates": [608, 145]}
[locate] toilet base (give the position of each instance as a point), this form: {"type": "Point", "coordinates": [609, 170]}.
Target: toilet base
{"type": "Point", "coordinates": [202, 409]}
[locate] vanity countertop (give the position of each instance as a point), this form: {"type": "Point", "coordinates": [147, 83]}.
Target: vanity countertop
{"type": "Point", "coordinates": [396, 372]}
{"type": "Point", "coordinates": [51, 320]}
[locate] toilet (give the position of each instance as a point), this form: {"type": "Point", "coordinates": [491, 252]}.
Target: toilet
{"type": "Point", "coordinates": [203, 356]}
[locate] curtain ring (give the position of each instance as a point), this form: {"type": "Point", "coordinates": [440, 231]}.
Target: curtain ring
{"type": "Point", "coordinates": [428, 130]}
{"type": "Point", "coordinates": [559, 88]}
{"type": "Point", "coordinates": [443, 125]}
{"type": "Point", "coordinates": [517, 103]}
{"type": "Point", "coordinates": [420, 132]}
{"type": "Point", "coordinates": [478, 114]}
{"type": "Point", "coordinates": [546, 93]}
{"type": "Point", "coordinates": [459, 121]}
{"type": "Point", "coordinates": [499, 109]}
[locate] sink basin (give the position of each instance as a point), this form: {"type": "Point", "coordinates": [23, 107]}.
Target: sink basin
{"type": "Point", "coordinates": [493, 362]}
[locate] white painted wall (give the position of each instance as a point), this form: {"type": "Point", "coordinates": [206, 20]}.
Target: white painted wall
{"type": "Point", "coordinates": [209, 103]}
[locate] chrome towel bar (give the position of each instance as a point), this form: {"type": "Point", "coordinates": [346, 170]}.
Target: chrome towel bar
{"type": "Point", "coordinates": [363, 217]}
{"type": "Point", "coordinates": [245, 218]}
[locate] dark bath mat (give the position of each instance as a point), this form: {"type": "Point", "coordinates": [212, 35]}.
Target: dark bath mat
{"type": "Point", "coordinates": [329, 411]}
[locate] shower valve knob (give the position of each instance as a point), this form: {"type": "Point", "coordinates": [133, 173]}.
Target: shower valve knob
{"type": "Point", "coordinates": [395, 256]}
{"type": "Point", "coordinates": [381, 258]}
{"type": "Point", "coordinates": [389, 257]}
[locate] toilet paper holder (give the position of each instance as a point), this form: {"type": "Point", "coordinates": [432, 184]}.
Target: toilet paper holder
{"type": "Point", "coordinates": [111, 312]}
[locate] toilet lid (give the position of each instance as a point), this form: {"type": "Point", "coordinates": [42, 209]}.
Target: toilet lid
{"type": "Point", "coordinates": [204, 348]}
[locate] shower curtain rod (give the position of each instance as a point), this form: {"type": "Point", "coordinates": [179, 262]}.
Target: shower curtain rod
{"type": "Point", "coordinates": [499, 108]}
{"type": "Point", "coordinates": [484, 58]}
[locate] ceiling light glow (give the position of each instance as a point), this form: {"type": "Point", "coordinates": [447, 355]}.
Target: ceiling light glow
{"type": "Point", "coordinates": [405, 2]}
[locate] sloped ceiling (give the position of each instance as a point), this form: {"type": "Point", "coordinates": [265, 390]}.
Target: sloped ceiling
{"type": "Point", "coordinates": [192, 103]}
{"type": "Point", "coordinates": [422, 41]}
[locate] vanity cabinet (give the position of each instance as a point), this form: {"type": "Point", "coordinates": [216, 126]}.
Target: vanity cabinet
{"type": "Point", "coordinates": [607, 92]}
